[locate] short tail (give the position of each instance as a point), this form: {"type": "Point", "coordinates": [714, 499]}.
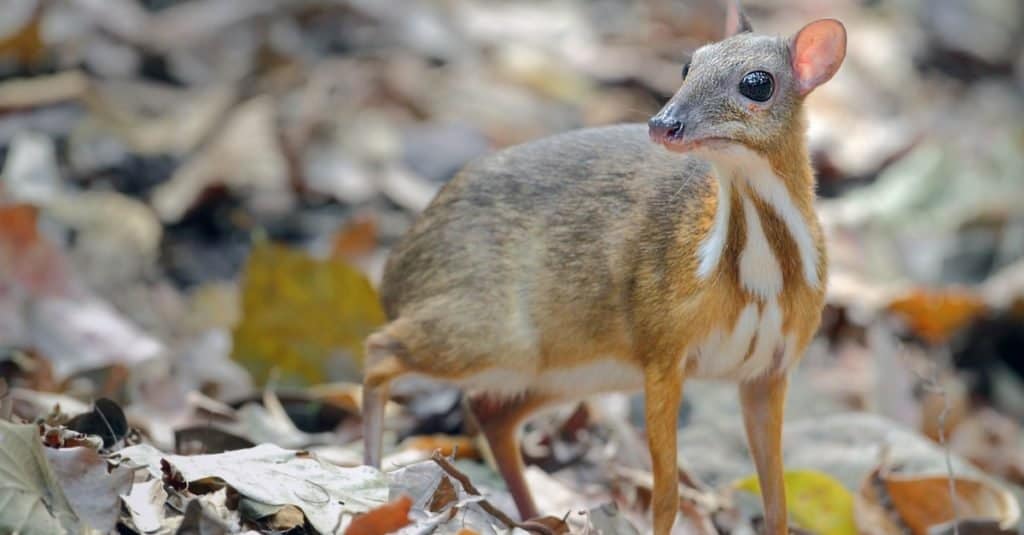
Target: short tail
{"type": "Point", "coordinates": [383, 365]}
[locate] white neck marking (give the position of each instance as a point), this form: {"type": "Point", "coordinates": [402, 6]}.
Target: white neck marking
{"type": "Point", "coordinates": [760, 272]}
{"type": "Point", "coordinates": [711, 250]}
{"type": "Point", "coordinates": [759, 269]}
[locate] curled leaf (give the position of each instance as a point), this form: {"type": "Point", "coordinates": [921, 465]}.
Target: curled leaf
{"type": "Point", "coordinates": [895, 503]}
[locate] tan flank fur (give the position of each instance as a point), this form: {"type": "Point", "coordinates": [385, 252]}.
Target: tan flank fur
{"type": "Point", "coordinates": [624, 258]}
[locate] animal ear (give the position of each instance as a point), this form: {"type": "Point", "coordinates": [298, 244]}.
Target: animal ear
{"type": "Point", "coordinates": [816, 52]}
{"type": "Point", "coordinates": [735, 21]}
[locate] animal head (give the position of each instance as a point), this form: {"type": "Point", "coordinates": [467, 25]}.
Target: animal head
{"type": "Point", "coordinates": [749, 88]}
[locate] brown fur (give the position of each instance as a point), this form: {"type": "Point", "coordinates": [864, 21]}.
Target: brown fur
{"type": "Point", "coordinates": [584, 246]}
{"type": "Point", "coordinates": [578, 241]}
{"type": "Point", "coordinates": [588, 254]}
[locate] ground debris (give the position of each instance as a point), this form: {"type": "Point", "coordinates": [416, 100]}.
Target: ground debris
{"type": "Point", "coordinates": [198, 197]}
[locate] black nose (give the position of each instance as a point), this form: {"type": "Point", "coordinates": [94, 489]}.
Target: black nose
{"type": "Point", "coordinates": [661, 127]}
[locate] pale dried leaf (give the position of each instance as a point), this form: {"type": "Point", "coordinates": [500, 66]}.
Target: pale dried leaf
{"type": "Point", "coordinates": [32, 499]}
{"type": "Point", "coordinates": [94, 493]}
{"type": "Point", "coordinates": [273, 475]}
{"type": "Point", "coordinates": [246, 156]}
{"type": "Point", "coordinates": [145, 503]}
{"type": "Point", "coordinates": [30, 172]}
{"type": "Point", "coordinates": [87, 333]}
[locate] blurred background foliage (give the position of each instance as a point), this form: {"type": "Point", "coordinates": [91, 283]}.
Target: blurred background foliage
{"type": "Point", "coordinates": [196, 196]}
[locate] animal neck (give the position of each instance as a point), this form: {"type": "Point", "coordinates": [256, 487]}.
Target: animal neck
{"type": "Point", "coordinates": [764, 227]}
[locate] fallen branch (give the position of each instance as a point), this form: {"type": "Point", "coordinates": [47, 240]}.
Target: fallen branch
{"type": "Point", "coordinates": [43, 90]}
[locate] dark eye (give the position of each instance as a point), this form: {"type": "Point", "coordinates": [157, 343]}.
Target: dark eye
{"type": "Point", "coordinates": [686, 69]}
{"type": "Point", "coordinates": [757, 86]}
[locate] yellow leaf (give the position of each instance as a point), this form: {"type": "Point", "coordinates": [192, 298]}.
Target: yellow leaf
{"type": "Point", "coordinates": [817, 501]}
{"type": "Point", "coordinates": [299, 314]}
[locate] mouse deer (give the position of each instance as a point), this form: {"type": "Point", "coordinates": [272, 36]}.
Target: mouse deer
{"type": "Point", "coordinates": [627, 257]}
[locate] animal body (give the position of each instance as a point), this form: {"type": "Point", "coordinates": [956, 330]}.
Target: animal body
{"type": "Point", "coordinates": [627, 257]}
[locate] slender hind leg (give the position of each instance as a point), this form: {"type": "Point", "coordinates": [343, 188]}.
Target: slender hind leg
{"type": "Point", "coordinates": [763, 400]}
{"type": "Point", "coordinates": [383, 363]}
{"type": "Point", "coordinates": [500, 421]}
{"type": "Point", "coordinates": [374, 399]}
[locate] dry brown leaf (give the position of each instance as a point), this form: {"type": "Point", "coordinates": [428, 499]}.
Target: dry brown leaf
{"type": "Point", "coordinates": [460, 447]}
{"type": "Point", "coordinates": [444, 494]}
{"type": "Point", "coordinates": [935, 315]}
{"type": "Point", "coordinates": [382, 520]}
{"type": "Point", "coordinates": [555, 525]}
{"type": "Point", "coordinates": [18, 222]}
{"type": "Point", "coordinates": [358, 237]}
{"type": "Point", "coordinates": [348, 396]}
{"type": "Point", "coordinates": [28, 259]}
{"type": "Point", "coordinates": [26, 45]}
{"type": "Point", "coordinates": [891, 503]}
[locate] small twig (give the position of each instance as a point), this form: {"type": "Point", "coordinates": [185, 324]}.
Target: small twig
{"type": "Point", "coordinates": [6, 403]}
{"type": "Point", "coordinates": [468, 486]}
{"type": "Point", "coordinates": [933, 384]}
{"type": "Point", "coordinates": [949, 460]}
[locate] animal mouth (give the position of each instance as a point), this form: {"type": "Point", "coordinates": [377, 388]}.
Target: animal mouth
{"type": "Point", "coordinates": [686, 144]}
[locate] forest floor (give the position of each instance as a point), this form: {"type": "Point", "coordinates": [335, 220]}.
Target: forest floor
{"type": "Point", "coordinates": [197, 198]}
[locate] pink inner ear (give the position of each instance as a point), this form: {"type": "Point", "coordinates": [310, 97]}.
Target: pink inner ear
{"type": "Point", "coordinates": [818, 51]}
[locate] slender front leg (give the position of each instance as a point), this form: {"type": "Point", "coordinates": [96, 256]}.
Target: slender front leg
{"type": "Point", "coordinates": [500, 421]}
{"type": "Point", "coordinates": [763, 400]}
{"type": "Point", "coordinates": [663, 391]}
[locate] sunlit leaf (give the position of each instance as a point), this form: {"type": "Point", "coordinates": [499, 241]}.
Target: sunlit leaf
{"type": "Point", "coordinates": [301, 316]}
{"type": "Point", "coordinates": [937, 315]}
{"type": "Point", "coordinates": [817, 501]}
